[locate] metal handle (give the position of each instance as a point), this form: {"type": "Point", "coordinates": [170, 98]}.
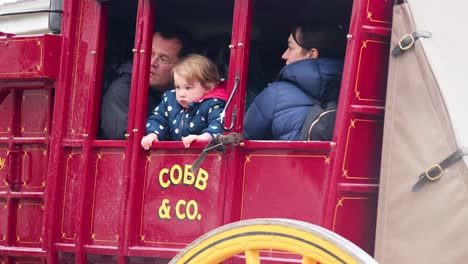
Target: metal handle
{"type": "Point", "coordinates": [234, 111]}
{"type": "Point", "coordinates": [12, 170]}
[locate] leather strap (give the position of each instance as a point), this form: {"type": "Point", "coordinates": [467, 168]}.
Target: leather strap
{"type": "Point", "coordinates": [407, 41]}
{"type": "Point", "coordinates": [436, 171]}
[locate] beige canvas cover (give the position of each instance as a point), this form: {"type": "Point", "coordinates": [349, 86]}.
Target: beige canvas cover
{"type": "Point", "coordinates": [425, 121]}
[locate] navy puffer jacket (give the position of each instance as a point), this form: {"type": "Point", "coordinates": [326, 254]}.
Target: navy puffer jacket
{"type": "Point", "coordinates": [280, 110]}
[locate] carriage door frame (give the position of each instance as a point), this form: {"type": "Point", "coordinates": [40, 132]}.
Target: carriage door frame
{"type": "Point", "coordinates": [355, 171]}
{"type": "Point", "coordinates": [238, 67]}
{"type": "Point", "coordinates": [137, 116]}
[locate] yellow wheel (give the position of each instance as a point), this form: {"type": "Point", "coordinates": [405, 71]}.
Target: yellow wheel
{"type": "Point", "coordinates": [313, 243]}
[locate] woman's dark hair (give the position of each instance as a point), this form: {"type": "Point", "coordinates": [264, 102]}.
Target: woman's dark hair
{"type": "Point", "coordinates": [330, 41]}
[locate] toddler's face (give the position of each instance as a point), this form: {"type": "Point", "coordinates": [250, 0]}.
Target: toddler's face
{"type": "Point", "coordinates": [187, 92]}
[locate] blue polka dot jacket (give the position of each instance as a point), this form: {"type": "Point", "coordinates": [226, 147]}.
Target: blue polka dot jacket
{"type": "Point", "coordinates": [171, 121]}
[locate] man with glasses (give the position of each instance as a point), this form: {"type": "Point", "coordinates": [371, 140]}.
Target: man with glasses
{"type": "Point", "coordinates": [169, 45]}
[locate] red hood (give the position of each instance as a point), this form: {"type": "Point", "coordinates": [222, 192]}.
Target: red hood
{"type": "Point", "coordinates": [219, 92]}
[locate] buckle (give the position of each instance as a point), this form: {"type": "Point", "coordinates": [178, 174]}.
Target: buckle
{"type": "Point", "coordinates": [409, 39]}
{"type": "Point", "coordinates": [435, 170]}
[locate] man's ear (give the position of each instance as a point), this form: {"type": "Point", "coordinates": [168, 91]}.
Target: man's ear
{"type": "Point", "coordinates": [313, 53]}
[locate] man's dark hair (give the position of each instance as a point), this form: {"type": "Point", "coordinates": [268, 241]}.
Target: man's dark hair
{"type": "Point", "coordinates": [173, 32]}
{"type": "Point", "coordinates": [329, 40]}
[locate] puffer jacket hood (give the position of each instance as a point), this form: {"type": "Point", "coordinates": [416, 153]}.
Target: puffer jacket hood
{"type": "Point", "coordinates": [280, 110]}
{"type": "Point", "coordinates": [315, 77]}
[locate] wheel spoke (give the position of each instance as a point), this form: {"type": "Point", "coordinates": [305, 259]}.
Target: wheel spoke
{"type": "Point", "coordinates": [307, 260]}
{"type": "Point", "coordinates": [252, 257]}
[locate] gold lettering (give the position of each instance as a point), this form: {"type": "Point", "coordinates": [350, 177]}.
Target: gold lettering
{"type": "Point", "coordinates": [2, 163]}
{"type": "Point", "coordinates": [176, 175]}
{"type": "Point", "coordinates": [202, 177]}
{"type": "Point", "coordinates": [172, 175]}
{"type": "Point", "coordinates": [189, 178]}
{"type": "Point", "coordinates": [180, 215]}
{"type": "Point", "coordinates": [165, 210]}
{"type": "Point", "coordinates": [194, 206]}
{"type": "Point", "coordinates": [188, 210]}
{"type": "Point", "coordinates": [162, 182]}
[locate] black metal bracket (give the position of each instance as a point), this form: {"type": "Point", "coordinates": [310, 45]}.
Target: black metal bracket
{"type": "Point", "coordinates": [234, 111]}
{"type": "Point", "coordinates": [217, 143]}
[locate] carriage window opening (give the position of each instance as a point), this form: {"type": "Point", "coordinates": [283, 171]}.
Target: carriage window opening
{"type": "Point", "coordinates": [117, 72]}
{"type": "Point", "coordinates": [206, 33]}
{"type": "Point", "coordinates": [120, 37]}
{"type": "Point", "coordinates": [210, 32]}
{"type": "Point", "coordinates": [284, 101]}
{"type": "Point", "coordinates": [197, 93]}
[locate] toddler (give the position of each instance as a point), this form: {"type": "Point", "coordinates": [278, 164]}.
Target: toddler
{"type": "Point", "coordinates": [191, 111]}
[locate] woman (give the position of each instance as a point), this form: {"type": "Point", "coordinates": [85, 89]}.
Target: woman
{"type": "Point", "coordinates": [312, 75]}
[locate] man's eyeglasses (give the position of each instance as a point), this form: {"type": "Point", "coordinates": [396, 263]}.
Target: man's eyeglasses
{"type": "Point", "coordinates": [161, 59]}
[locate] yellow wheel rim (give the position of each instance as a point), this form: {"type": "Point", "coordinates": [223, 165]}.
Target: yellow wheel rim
{"type": "Point", "coordinates": [313, 243]}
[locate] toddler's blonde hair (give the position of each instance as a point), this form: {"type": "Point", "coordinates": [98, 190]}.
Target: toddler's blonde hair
{"type": "Point", "coordinates": [194, 67]}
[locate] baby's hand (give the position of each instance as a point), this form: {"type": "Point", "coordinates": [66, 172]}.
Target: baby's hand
{"type": "Point", "coordinates": [147, 140]}
{"type": "Point", "coordinates": [188, 140]}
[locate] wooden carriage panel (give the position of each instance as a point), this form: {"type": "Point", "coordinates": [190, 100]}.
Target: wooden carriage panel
{"type": "Point", "coordinates": [144, 260]}
{"type": "Point", "coordinates": [25, 260]}
{"type": "Point", "coordinates": [71, 189]}
{"type": "Point", "coordinates": [6, 110]}
{"type": "Point", "coordinates": [285, 185]}
{"type": "Point", "coordinates": [35, 113]}
{"type": "Point", "coordinates": [29, 214]}
{"type": "Point", "coordinates": [84, 67]}
{"type": "Point", "coordinates": [106, 181]}
{"type": "Point", "coordinates": [34, 167]}
{"type": "Point", "coordinates": [32, 51]}
{"type": "Point", "coordinates": [4, 221]}
{"type": "Point", "coordinates": [354, 217]}
{"type": "Point", "coordinates": [368, 50]}
{"type": "Point", "coordinates": [3, 167]}
{"type": "Point", "coordinates": [66, 257]}
{"type": "Point", "coordinates": [363, 141]}
{"type": "Point", "coordinates": [372, 66]}
{"type": "Point", "coordinates": [351, 208]}
{"type": "Point", "coordinates": [101, 259]}
{"type": "Point", "coordinates": [178, 205]}
{"type": "Point", "coordinates": [378, 13]}
{"type": "Point", "coordinates": [39, 57]}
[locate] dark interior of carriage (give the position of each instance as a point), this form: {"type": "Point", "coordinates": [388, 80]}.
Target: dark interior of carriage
{"type": "Point", "coordinates": [210, 23]}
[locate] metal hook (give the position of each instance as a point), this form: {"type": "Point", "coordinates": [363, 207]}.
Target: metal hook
{"type": "Point", "coordinates": [234, 111]}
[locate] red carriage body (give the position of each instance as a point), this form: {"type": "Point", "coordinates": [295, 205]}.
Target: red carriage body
{"type": "Point", "coordinates": [68, 197]}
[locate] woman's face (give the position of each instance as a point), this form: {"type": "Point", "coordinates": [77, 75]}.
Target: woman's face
{"type": "Point", "coordinates": [294, 52]}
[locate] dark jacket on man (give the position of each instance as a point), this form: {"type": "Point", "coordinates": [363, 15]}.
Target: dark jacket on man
{"type": "Point", "coordinates": [115, 104]}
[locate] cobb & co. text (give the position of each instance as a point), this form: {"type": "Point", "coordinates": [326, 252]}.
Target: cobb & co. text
{"type": "Point", "coordinates": [181, 175]}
